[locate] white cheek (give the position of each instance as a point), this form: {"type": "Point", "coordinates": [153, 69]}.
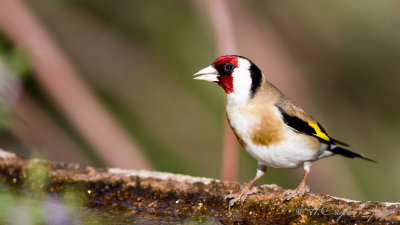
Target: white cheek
{"type": "Point", "coordinates": [241, 84]}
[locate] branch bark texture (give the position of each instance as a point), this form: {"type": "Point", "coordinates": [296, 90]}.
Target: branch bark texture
{"type": "Point", "coordinates": [130, 191]}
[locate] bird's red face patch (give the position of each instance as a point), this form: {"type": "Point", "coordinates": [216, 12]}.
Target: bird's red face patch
{"type": "Point", "coordinates": [226, 82]}
{"type": "Point", "coordinates": [225, 66]}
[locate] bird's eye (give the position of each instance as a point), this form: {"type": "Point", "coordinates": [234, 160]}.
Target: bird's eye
{"type": "Point", "coordinates": [229, 67]}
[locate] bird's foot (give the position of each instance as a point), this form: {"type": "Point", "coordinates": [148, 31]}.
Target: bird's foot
{"type": "Point", "coordinates": [241, 195]}
{"type": "Point", "coordinates": [298, 192]}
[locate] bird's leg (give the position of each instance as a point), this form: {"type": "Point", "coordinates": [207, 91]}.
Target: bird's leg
{"type": "Point", "coordinates": [302, 188]}
{"type": "Point", "coordinates": [247, 188]}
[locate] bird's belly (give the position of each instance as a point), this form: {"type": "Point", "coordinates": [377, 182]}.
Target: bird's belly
{"type": "Point", "coordinates": [290, 152]}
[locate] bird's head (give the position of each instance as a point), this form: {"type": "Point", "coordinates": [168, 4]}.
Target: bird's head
{"type": "Point", "coordinates": [237, 75]}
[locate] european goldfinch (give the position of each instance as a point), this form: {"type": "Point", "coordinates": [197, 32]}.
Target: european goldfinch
{"type": "Point", "coordinates": [270, 126]}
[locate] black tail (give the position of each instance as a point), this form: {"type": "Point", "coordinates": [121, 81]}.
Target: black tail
{"type": "Point", "coordinates": [347, 153]}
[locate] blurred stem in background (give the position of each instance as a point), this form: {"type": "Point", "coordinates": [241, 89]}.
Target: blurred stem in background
{"type": "Point", "coordinates": [61, 81]}
{"type": "Point", "coordinates": [220, 16]}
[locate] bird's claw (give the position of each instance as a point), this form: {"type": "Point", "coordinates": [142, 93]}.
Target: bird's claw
{"type": "Point", "coordinates": [241, 195]}
{"type": "Point", "coordinates": [298, 192]}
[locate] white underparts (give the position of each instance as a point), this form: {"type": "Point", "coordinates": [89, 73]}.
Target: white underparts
{"type": "Point", "coordinates": [292, 152]}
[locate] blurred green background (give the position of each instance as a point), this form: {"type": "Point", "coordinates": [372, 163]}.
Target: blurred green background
{"type": "Point", "coordinates": [138, 57]}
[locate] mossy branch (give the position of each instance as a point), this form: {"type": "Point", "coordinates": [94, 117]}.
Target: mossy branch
{"type": "Point", "coordinates": [129, 191]}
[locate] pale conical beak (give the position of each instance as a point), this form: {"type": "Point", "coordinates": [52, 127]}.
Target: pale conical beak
{"type": "Point", "coordinates": [209, 74]}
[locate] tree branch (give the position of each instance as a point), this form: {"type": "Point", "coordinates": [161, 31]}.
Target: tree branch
{"type": "Point", "coordinates": [129, 191]}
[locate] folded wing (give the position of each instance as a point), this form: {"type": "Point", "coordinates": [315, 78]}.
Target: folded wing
{"type": "Point", "coordinates": [299, 121]}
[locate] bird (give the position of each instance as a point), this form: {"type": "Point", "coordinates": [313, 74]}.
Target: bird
{"type": "Point", "coordinates": [271, 127]}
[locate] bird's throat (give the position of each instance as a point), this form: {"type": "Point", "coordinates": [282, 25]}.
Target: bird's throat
{"type": "Point", "coordinates": [226, 82]}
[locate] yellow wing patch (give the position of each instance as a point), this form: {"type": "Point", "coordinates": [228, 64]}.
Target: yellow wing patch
{"type": "Point", "coordinates": [318, 131]}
